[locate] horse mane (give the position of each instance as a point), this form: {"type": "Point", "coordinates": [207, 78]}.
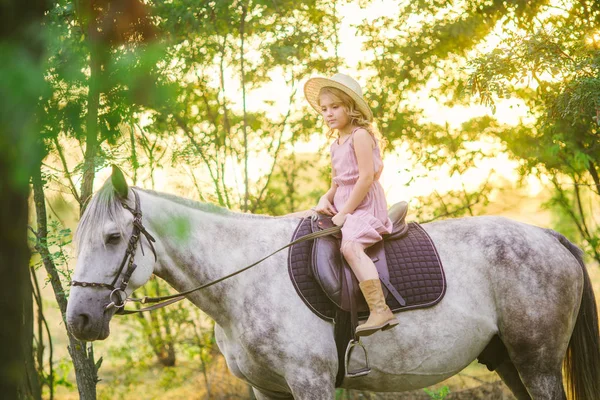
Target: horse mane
{"type": "Point", "coordinates": [105, 204]}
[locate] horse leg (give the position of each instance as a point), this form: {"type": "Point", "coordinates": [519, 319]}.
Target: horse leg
{"type": "Point", "coordinates": [537, 348]}
{"type": "Point", "coordinates": [537, 292]}
{"type": "Point", "coordinates": [300, 391]}
{"type": "Point", "coordinates": [510, 376]}
{"type": "Point", "coordinates": [543, 384]}
{"type": "Point", "coordinates": [312, 391]}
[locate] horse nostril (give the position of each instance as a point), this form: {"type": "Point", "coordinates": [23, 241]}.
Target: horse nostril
{"type": "Point", "coordinates": [82, 322]}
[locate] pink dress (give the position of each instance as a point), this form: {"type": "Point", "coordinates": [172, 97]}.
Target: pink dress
{"type": "Point", "coordinates": [370, 219]}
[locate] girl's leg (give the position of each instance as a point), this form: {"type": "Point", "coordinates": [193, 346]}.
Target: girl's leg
{"type": "Point", "coordinates": [361, 264]}
{"type": "Point", "coordinates": [380, 316]}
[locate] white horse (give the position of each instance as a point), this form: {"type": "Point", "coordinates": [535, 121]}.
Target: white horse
{"type": "Point", "coordinates": [525, 284]}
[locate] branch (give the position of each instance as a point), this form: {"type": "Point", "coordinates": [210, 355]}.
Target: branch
{"type": "Point", "coordinates": [245, 124]}
{"type": "Point", "coordinates": [589, 238]}
{"type": "Point", "coordinates": [134, 160]}
{"type": "Point", "coordinates": [464, 190]}
{"type": "Point", "coordinates": [185, 129]}
{"type": "Point", "coordinates": [54, 212]}
{"type": "Point", "coordinates": [191, 172]}
{"type": "Point", "coordinates": [276, 154]}
{"type": "Point", "coordinates": [38, 300]}
{"type": "Point", "coordinates": [41, 243]}
{"type": "Point", "coordinates": [594, 173]}
{"type": "Point", "coordinates": [580, 208]}
{"type": "Point", "coordinates": [66, 171]}
{"type": "Point", "coordinates": [567, 207]}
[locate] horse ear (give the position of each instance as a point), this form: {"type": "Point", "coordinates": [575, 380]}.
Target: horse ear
{"type": "Point", "coordinates": [119, 182]}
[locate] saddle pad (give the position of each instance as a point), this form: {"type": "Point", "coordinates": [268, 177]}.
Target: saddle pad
{"type": "Point", "coordinates": [299, 267]}
{"type": "Point", "coordinates": [415, 271]}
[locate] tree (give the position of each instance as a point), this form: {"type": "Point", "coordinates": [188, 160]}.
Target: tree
{"type": "Point", "coordinates": [548, 59]}
{"type": "Point", "coordinates": [421, 51]}
{"type": "Point", "coordinates": [220, 47]}
{"type": "Point", "coordinates": [21, 84]}
{"type": "Point", "coordinates": [95, 76]}
{"type": "Point", "coordinates": [553, 66]}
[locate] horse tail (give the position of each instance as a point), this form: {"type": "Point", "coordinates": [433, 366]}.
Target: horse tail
{"type": "Point", "coordinates": [582, 361]}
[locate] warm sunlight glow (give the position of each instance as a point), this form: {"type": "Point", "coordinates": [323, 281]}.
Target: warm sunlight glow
{"type": "Point", "coordinates": [593, 39]}
{"type": "Point", "coordinates": [401, 179]}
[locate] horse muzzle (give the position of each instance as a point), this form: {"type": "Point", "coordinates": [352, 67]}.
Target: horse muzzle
{"type": "Point", "coordinates": [87, 318]}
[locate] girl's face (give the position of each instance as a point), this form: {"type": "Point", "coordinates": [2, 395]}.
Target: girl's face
{"type": "Point", "coordinates": [333, 112]}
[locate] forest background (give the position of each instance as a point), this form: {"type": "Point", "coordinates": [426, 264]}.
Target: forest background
{"type": "Point", "coordinates": [486, 107]}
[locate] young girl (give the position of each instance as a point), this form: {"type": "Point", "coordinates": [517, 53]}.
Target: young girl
{"type": "Point", "coordinates": [356, 199]}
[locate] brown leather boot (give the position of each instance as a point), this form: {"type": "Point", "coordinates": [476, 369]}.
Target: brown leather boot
{"type": "Point", "coordinates": [380, 317]}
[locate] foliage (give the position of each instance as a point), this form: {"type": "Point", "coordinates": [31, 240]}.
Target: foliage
{"type": "Point", "coordinates": [163, 327]}
{"type": "Point", "coordinates": [220, 47]}
{"type": "Point", "coordinates": [420, 51]}
{"type": "Point", "coordinates": [553, 66]}
{"type": "Point", "coordinates": [64, 367]}
{"type": "Point", "coordinates": [294, 186]}
{"type": "Point", "coordinates": [547, 58]}
{"type": "Point", "coordinates": [97, 68]}
{"type": "Point", "coordinates": [439, 394]}
{"type": "Point", "coordinates": [57, 243]}
{"type": "Point", "coordinates": [53, 248]}
{"type": "Point", "coordinates": [181, 84]}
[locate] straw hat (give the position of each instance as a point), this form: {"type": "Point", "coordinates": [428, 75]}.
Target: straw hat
{"type": "Point", "coordinates": [339, 81]}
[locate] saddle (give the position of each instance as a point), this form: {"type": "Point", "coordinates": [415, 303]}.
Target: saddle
{"type": "Point", "coordinates": [407, 262]}
{"type": "Point", "coordinates": [333, 273]}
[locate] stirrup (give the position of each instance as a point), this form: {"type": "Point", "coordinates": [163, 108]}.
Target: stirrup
{"type": "Point", "coordinates": [361, 371]}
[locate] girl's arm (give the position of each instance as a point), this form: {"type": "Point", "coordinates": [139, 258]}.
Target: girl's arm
{"type": "Point", "coordinates": [363, 148]}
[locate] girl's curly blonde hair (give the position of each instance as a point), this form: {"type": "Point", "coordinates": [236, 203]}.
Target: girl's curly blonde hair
{"type": "Point", "coordinates": [357, 118]}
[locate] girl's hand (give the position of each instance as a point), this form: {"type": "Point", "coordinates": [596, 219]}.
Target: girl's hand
{"type": "Point", "coordinates": [339, 219]}
{"type": "Point", "coordinates": [325, 207]}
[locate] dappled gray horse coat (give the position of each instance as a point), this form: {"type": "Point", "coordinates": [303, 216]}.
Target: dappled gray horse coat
{"type": "Point", "coordinates": [504, 277]}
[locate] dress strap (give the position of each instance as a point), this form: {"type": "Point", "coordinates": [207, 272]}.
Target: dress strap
{"type": "Point", "coordinates": [357, 128]}
{"type": "Point", "coordinates": [352, 134]}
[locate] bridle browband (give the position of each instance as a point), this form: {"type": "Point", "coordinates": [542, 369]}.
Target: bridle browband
{"type": "Point", "coordinates": [166, 300]}
{"type": "Point", "coordinates": [115, 298]}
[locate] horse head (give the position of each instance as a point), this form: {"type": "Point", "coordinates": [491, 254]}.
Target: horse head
{"type": "Point", "coordinates": [110, 264]}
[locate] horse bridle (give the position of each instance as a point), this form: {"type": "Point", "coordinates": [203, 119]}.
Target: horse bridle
{"type": "Point", "coordinates": [115, 299]}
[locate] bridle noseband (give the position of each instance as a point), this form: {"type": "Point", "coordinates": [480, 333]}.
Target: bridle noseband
{"type": "Point", "coordinates": [115, 299]}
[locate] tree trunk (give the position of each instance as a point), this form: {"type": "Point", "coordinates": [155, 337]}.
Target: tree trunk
{"type": "Point", "coordinates": [245, 126]}
{"type": "Point", "coordinates": [86, 371]}
{"type": "Point", "coordinates": [14, 272]}
{"type": "Point", "coordinates": [594, 174]}
{"type": "Point", "coordinates": [91, 140]}
{"type": "Point", "coordinates": [19, 93]}
{"type": "Point", "coordinates": [31, 373]}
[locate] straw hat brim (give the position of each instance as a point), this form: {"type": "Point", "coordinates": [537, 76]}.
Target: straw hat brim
{"type": "Point", "coordinates": [314, 85]}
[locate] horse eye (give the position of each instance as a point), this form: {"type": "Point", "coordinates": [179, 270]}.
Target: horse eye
{"type": "Point", "coordinates": [113, 238]}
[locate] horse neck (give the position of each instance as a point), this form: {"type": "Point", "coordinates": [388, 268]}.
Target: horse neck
{"type": "Point", "coordinates": [214, 246]}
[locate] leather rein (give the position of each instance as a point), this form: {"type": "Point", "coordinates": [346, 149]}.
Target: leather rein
{"type": "Point", "coordinates": [116, 300]}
